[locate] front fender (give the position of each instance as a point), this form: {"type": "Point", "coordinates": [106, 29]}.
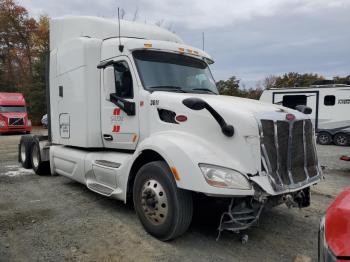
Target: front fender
{"type": "Point", "coordinates": [184, 152]}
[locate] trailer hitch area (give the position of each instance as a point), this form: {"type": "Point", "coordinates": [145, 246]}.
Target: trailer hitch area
{"type": "Point", "coordinates": [241, 214]}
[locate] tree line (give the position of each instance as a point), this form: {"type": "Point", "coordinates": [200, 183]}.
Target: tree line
{"type": "Point", "coordinates": [24, 45]}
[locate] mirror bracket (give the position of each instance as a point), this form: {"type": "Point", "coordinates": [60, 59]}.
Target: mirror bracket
{"type": "Point", "coordinates": [127, 106]}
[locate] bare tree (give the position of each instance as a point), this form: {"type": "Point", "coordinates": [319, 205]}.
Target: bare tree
{"type": "Point", "coordinates": [136, 15]}
{"type": "Point", "coordinates": [122, 13]}
{"type": "Point", "coordinates": [159, 23]}
{"type": "Point", "coordinates": [269, 81]}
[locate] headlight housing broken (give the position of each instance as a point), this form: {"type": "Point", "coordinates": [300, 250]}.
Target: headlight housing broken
{"type": "Point", "coordinates": [223, 177]}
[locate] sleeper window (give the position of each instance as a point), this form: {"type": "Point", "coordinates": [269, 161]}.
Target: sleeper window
{"type": "Point", "coordinates": [123, 80]}
{"type": "Point", "coordinates": [329, 100]}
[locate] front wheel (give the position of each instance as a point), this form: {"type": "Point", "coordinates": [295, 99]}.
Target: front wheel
{"type": "Point", "coordinates": [164, 210]}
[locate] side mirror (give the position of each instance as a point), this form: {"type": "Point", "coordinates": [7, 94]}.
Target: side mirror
{"type": "Point", "coordinates": [125, 105]}
{"type": "Point", "coordinates": [304, 109]}
{"type": "Point", "coordinates": [194, 103]}
{"type": "Point", "coordinates": [199, 104]}
{"type": "Point", "coordinates": [108, 82]}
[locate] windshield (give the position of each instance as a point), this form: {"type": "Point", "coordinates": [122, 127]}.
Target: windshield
{"type": "Point", "coordinates": [8, 109]}
{"type": "Point", "coordinates": [173, 72]}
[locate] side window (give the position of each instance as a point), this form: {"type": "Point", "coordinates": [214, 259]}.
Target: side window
{"type": "Point", "coordinates": [123, 80]}
{"type": "Point", "coordinates": [294, 100]}
{"type": "Point", "coordinates": [329, 100]}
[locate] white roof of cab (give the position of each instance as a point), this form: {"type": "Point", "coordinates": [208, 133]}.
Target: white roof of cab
{"type": "Point", "coordinates": [68, 27]}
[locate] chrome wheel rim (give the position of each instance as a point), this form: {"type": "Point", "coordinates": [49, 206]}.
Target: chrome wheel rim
{"type": "Point", "coordinates": [324, 139]}
{"type": "Point", "coordinates": [154, 202]}
{"type": "Point", "coordinates": [35, 156]}
{"type": "Point", "coordinates": [23, 153]}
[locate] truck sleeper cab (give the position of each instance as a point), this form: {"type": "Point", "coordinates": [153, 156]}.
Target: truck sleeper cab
{"type": "Point", "coordinates": [139, 117]}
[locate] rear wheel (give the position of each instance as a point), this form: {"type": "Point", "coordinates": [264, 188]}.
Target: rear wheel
{"type": "Point", "coordinates": [324, 138]}
{"type": "Point", "coordinates": [164, 210]}
{"type": "Point", "coordinates": [24, 151]}
{"type": "Point", "coordinates": [341, 139]}
{"type": "Point", "coordinates": [39, 167]}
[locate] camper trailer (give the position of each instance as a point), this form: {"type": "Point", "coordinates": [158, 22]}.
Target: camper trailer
{"type": "Point", "coordinates": [134, 114]}
{"type": "Point", "coordinates": [330, 106]}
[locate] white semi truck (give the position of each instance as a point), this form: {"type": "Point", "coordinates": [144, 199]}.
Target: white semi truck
{"type": "Point", "coordinates": [136, 115]}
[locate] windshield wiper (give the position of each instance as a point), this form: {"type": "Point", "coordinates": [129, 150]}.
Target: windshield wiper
{"type": "Point", "coordinates": [204, 89]}
{"type": "Point", "coordinates": [167, 88]}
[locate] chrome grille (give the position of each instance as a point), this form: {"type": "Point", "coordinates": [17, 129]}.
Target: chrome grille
{"type": "Point", "coordinates": [15, 121]}
{"type": "Point", "coordinates": [288, 151]}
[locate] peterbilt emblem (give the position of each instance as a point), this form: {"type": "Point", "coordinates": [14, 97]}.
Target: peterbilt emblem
{"type": "Point", "coordinates": [290, 117]}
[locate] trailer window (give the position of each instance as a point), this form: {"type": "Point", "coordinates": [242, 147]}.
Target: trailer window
{"type": "Point", "coordinates": [292, 101]}
{"type": "Point", "coordinates": [9, 109]}
{"type": "Point", "coordinates": [173, 72]}
{"type": "Point", "coordinates": [329, 100]}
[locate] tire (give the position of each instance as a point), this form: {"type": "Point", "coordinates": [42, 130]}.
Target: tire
{"type": "Point", "coordinates": [341, 139]}
{"type": "Point", "coordinates": [155, 191]}
{"type": "Point", "coordinates": [324, 138]}
{"type": "Point", "coordinates": [24, 151]}
{"type": "Point", "coordinates": [40, 168]}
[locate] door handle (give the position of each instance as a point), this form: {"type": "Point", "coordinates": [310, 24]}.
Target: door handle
{"type": "Point", "coordinates": [107, 137]}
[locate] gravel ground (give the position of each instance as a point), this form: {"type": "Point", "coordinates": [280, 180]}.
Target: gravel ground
{"type": "Point", "coordinates": [56, 219]}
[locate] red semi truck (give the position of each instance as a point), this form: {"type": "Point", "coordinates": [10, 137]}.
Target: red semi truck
{"type": "Point", "coordinates": [13, 114]}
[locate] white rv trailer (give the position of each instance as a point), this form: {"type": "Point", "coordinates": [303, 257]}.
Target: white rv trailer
{"type": "Point", "coordinates": [330, 106]}
{"type": "Point", "coordinates": [137, 116]}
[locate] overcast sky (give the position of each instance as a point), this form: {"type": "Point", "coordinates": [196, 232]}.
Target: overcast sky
{"type": "Point", "coordinates": [247, 38]}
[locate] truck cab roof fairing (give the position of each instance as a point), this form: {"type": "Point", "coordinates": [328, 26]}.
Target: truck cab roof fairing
{"type": "Point", "coordinates": [68, 27]}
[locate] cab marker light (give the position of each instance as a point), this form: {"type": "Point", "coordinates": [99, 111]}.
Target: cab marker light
{"type": "Point", "coordinates": [134, 138]}
{"type": "Point", "coordinates": [147, 45]}
{"type": "Point", "coordinates": [190, 51]}
{"type": "Point", "coordinates": [182, 50]}
{"type": "Point", "coordinates": [175, 173]}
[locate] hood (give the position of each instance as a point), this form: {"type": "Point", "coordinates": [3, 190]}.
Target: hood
{"type": "Point", "coordinates": [242, 114]}
{"type": "Point", "coordinates": [237, 105]}
{"type": "Point", "coordinates": [338, 225]}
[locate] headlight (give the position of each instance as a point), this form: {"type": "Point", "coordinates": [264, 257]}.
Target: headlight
{"type": "Point", "coordinates": [2, 123]}
{"type": "Point", "coordinates": [324, 252]}
{"type": "Point", "coordinates": [224, 177]}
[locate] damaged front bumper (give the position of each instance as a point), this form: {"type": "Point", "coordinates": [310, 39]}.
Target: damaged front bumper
{"type": "Point", "coordinates": [243, 213]}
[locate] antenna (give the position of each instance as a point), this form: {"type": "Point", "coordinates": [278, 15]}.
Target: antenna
{"type": "Point", "coordinates": [203, 41]}
{"type": "Point", "coordinates": [121, 47]}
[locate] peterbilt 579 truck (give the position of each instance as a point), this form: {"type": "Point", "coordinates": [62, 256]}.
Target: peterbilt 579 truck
{"type": "Point", "coordinates": [134, 114]}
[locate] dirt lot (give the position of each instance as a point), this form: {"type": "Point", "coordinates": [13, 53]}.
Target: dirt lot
{"type": "Point", "coordinates": [55, 219]}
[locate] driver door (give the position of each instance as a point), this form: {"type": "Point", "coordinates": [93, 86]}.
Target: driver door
{"type": "Point", "coordinates": [120, 130]}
